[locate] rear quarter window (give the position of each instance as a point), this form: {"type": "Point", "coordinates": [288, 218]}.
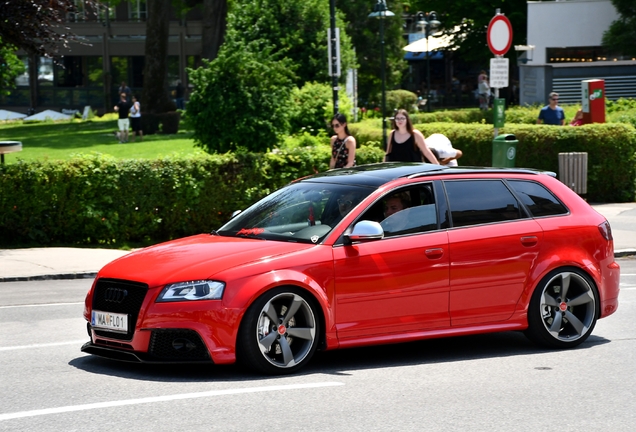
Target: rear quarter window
{"type": "Point", "coordinates": [474, 202]}
{"type": "Point", "coordinates": [537, 198]}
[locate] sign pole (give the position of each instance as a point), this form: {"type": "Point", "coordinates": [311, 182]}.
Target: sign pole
{"type": "Point", "coordinates": [499, 36]}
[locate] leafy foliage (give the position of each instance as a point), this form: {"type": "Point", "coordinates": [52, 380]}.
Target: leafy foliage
{"type": "Point", "coordinates": [467, 21]}
{"type": "Point", "coordinates": [10, 67]}
{"type": "Point", "coordinates": [241, 98]}
{"type": "Point", "coordinates": [37, 26]}
{"type": "Point", "coordinates": [401, 99]}
{"type": "Point", "coordinates": [296, 29]}
{"type": "Point", "coordinates": [311, 108]}
{"type": "Point", "coordinates": [365, 35]}
{"type": "Point", "coordinates": [621, 35]}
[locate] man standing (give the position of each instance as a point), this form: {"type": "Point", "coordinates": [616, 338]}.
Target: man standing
{"type": "Point", "coordinates": [552, 114]}
{"type": "Point", "coordinates": [122, 108]}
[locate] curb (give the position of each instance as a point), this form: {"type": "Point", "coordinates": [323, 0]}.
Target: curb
{"type": "Point", "coordinates": [624, 252]}
{"type": "Point", "coordinates": [85, 275]}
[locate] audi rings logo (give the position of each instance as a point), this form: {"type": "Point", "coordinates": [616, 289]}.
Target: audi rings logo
{"type": "Point", "coordinates": [115, 295]}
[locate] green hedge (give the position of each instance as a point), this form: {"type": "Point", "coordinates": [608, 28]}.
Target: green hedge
{"type": "Point", "coordinates": [96, 200]}
{"type": "Point", "coordinates": [92, 200]}
{"type": "Point", "coordinates": [611, 150]}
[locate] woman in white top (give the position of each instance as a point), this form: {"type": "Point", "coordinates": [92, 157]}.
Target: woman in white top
{"type": "Point", "coordinates": [135, 119]}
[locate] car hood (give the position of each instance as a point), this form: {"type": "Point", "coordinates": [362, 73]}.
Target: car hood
{"type": "Point", "coordinates": [194, 258]}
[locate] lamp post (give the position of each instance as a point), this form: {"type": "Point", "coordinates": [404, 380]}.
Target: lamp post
{"type": "Point", "coordinates": [381, 11]}
{"type": "Point", "coordinates": [428, 23]}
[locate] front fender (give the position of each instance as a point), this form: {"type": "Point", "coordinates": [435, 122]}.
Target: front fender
{"type": "Point", "coordinates": [242, 293]}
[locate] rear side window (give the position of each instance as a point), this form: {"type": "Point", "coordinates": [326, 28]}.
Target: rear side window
{"type": "Point", "coordinates": [539, 200]}
{"type": "Point", "coordinates": [474, 202]}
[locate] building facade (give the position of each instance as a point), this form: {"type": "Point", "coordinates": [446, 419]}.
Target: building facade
{"type": "Point", "coordinates": [112, 51]}
{"type": "Point", "coordinates": [566, 39]}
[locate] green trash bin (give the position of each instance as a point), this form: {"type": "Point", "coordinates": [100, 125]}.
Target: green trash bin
{"type": "Point", "coordinates": [504, 151]}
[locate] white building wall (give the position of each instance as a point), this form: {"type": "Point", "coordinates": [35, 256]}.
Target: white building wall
{"type": "Point", "coordinates": [568, 23]}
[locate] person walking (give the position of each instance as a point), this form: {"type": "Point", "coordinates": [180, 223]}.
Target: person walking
{"type": "Point", "coordinates": [179, 92]}
{"type": "Point", "coordinates": [405, 143]}
{"type": "Point", "coordinates": [122, 108]}
{"type": "Point", "coordinates": [123, 88]}
{"type": "Point", "coordinates": [483, 89]}
{"type": "Point", "coordinates": [135, 119]}
{"type": "Point", "coordinates": [552, 114]}
{"type": "Point", "coordinates": [343, 145]}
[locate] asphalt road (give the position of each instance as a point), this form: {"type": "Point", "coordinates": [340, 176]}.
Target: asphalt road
{"type": "Point", "coordinates": [498, 382]}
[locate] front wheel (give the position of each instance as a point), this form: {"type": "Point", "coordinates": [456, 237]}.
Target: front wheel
{"type": "Point", "coordinates": [563, 309]}
{"type": "Point", "coordinates": [280, 332]}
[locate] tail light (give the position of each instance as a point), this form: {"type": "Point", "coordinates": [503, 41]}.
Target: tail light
{"type": "Point", "coordinates": [606, 231]}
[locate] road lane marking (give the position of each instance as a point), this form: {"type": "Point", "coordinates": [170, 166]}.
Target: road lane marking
{"type": "Point", "coordinates": [72, 408]}
{"type": "Point", "coordinates": [43, 304]}
{"type": "Point", "coordinates": [44, 345]}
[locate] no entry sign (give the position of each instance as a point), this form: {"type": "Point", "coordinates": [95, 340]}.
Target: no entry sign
{"type": "Point", "coordinates": [499, 35]}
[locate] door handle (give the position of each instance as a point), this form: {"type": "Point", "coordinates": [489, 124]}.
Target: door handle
{"type": "Point", "coordinates": [434, 253]}
{"type": "Point", "coordinates": [529, 240]}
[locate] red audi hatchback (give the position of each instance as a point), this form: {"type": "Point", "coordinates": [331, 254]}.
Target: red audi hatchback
{"type": "Point", "coordinates": [369, 255]}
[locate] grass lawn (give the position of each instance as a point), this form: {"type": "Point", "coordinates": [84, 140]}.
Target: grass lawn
{"type": "Point", "coordinates": [63, 140]}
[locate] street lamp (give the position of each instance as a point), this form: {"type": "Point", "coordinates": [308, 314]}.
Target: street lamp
{"type": "Point", "coordinates": [428, 23]}
{"type": "Point", "coordinates": [380, 11]}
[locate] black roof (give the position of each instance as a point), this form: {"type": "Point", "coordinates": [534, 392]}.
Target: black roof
{"type": "Point", "coordinates": [375, 175]}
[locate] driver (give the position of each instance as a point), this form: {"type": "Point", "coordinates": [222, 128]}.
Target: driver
{"type": "Point", "coordinates": [395, 203]}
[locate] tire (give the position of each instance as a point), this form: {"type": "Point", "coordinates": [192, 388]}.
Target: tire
{"type": "Point", "coordinates": [280, 332]}
{"type": "Point", "coordinates": [563, 309]}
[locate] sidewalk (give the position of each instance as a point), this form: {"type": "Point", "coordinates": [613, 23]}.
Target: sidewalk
{"type": "Point", "coordinates": [77, 263]}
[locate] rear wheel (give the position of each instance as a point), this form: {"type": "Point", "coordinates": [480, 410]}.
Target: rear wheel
{"type": "Point", "coordinates": [280, 332]}
{"type": "Point", "coordinates": [563, 309]}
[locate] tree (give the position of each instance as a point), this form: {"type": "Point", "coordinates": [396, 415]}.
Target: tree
{"type": "Point", "coordinates": [10, 67]}
{"type": "Point", "coordinates": [155, 97]}
{"type": "Point", "coordinates": [241, 98]}
{"type": "Point", "coordinates": [621, 35]}
{"type": "Point", "coordinates": [214, 26]}
{"type": "Point", "coordinates": [468, 20]}
{"type": "Point", "coordinates": [296, 29]}
{"type": "Point", "coordinates": [365, 35]}
{"type": "Point", "coordinates": [36, 26]}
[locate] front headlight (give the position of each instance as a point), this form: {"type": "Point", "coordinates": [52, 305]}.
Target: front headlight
{"type": "Point", "coordinates": [193, 290]}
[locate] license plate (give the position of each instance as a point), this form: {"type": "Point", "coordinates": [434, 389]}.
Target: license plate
{"type": "Point", "coordinates": [111, 321]}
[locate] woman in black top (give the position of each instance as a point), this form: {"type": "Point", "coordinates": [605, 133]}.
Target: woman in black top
{"type": "Point", "coordinates": [343, 145]}
{"type": "Point", "coordinates": [405, 143]}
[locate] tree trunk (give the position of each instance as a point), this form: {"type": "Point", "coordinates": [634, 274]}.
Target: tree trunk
{"type": "Point", "coordinates": [214, 25]}
{"type": "Point", "coordinates": [155, 97]}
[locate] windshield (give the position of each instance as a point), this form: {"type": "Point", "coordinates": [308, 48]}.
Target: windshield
{"type": "Point", "coordinates": [302, 212]}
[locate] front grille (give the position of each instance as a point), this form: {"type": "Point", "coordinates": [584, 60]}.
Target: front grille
{"type": "Point", "coordinates": [177, 345]}
{"type": "Point", "coordinates": [118, 296]}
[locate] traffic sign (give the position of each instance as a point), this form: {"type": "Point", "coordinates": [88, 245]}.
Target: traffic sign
{"type": "Point", "coordinates": [499, 67]}
{"type": "Point", "coordinates": [499, 35]}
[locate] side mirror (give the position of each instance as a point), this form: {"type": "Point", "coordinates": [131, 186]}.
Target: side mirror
{"type": "Point", "coordinates": [364, 231]}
